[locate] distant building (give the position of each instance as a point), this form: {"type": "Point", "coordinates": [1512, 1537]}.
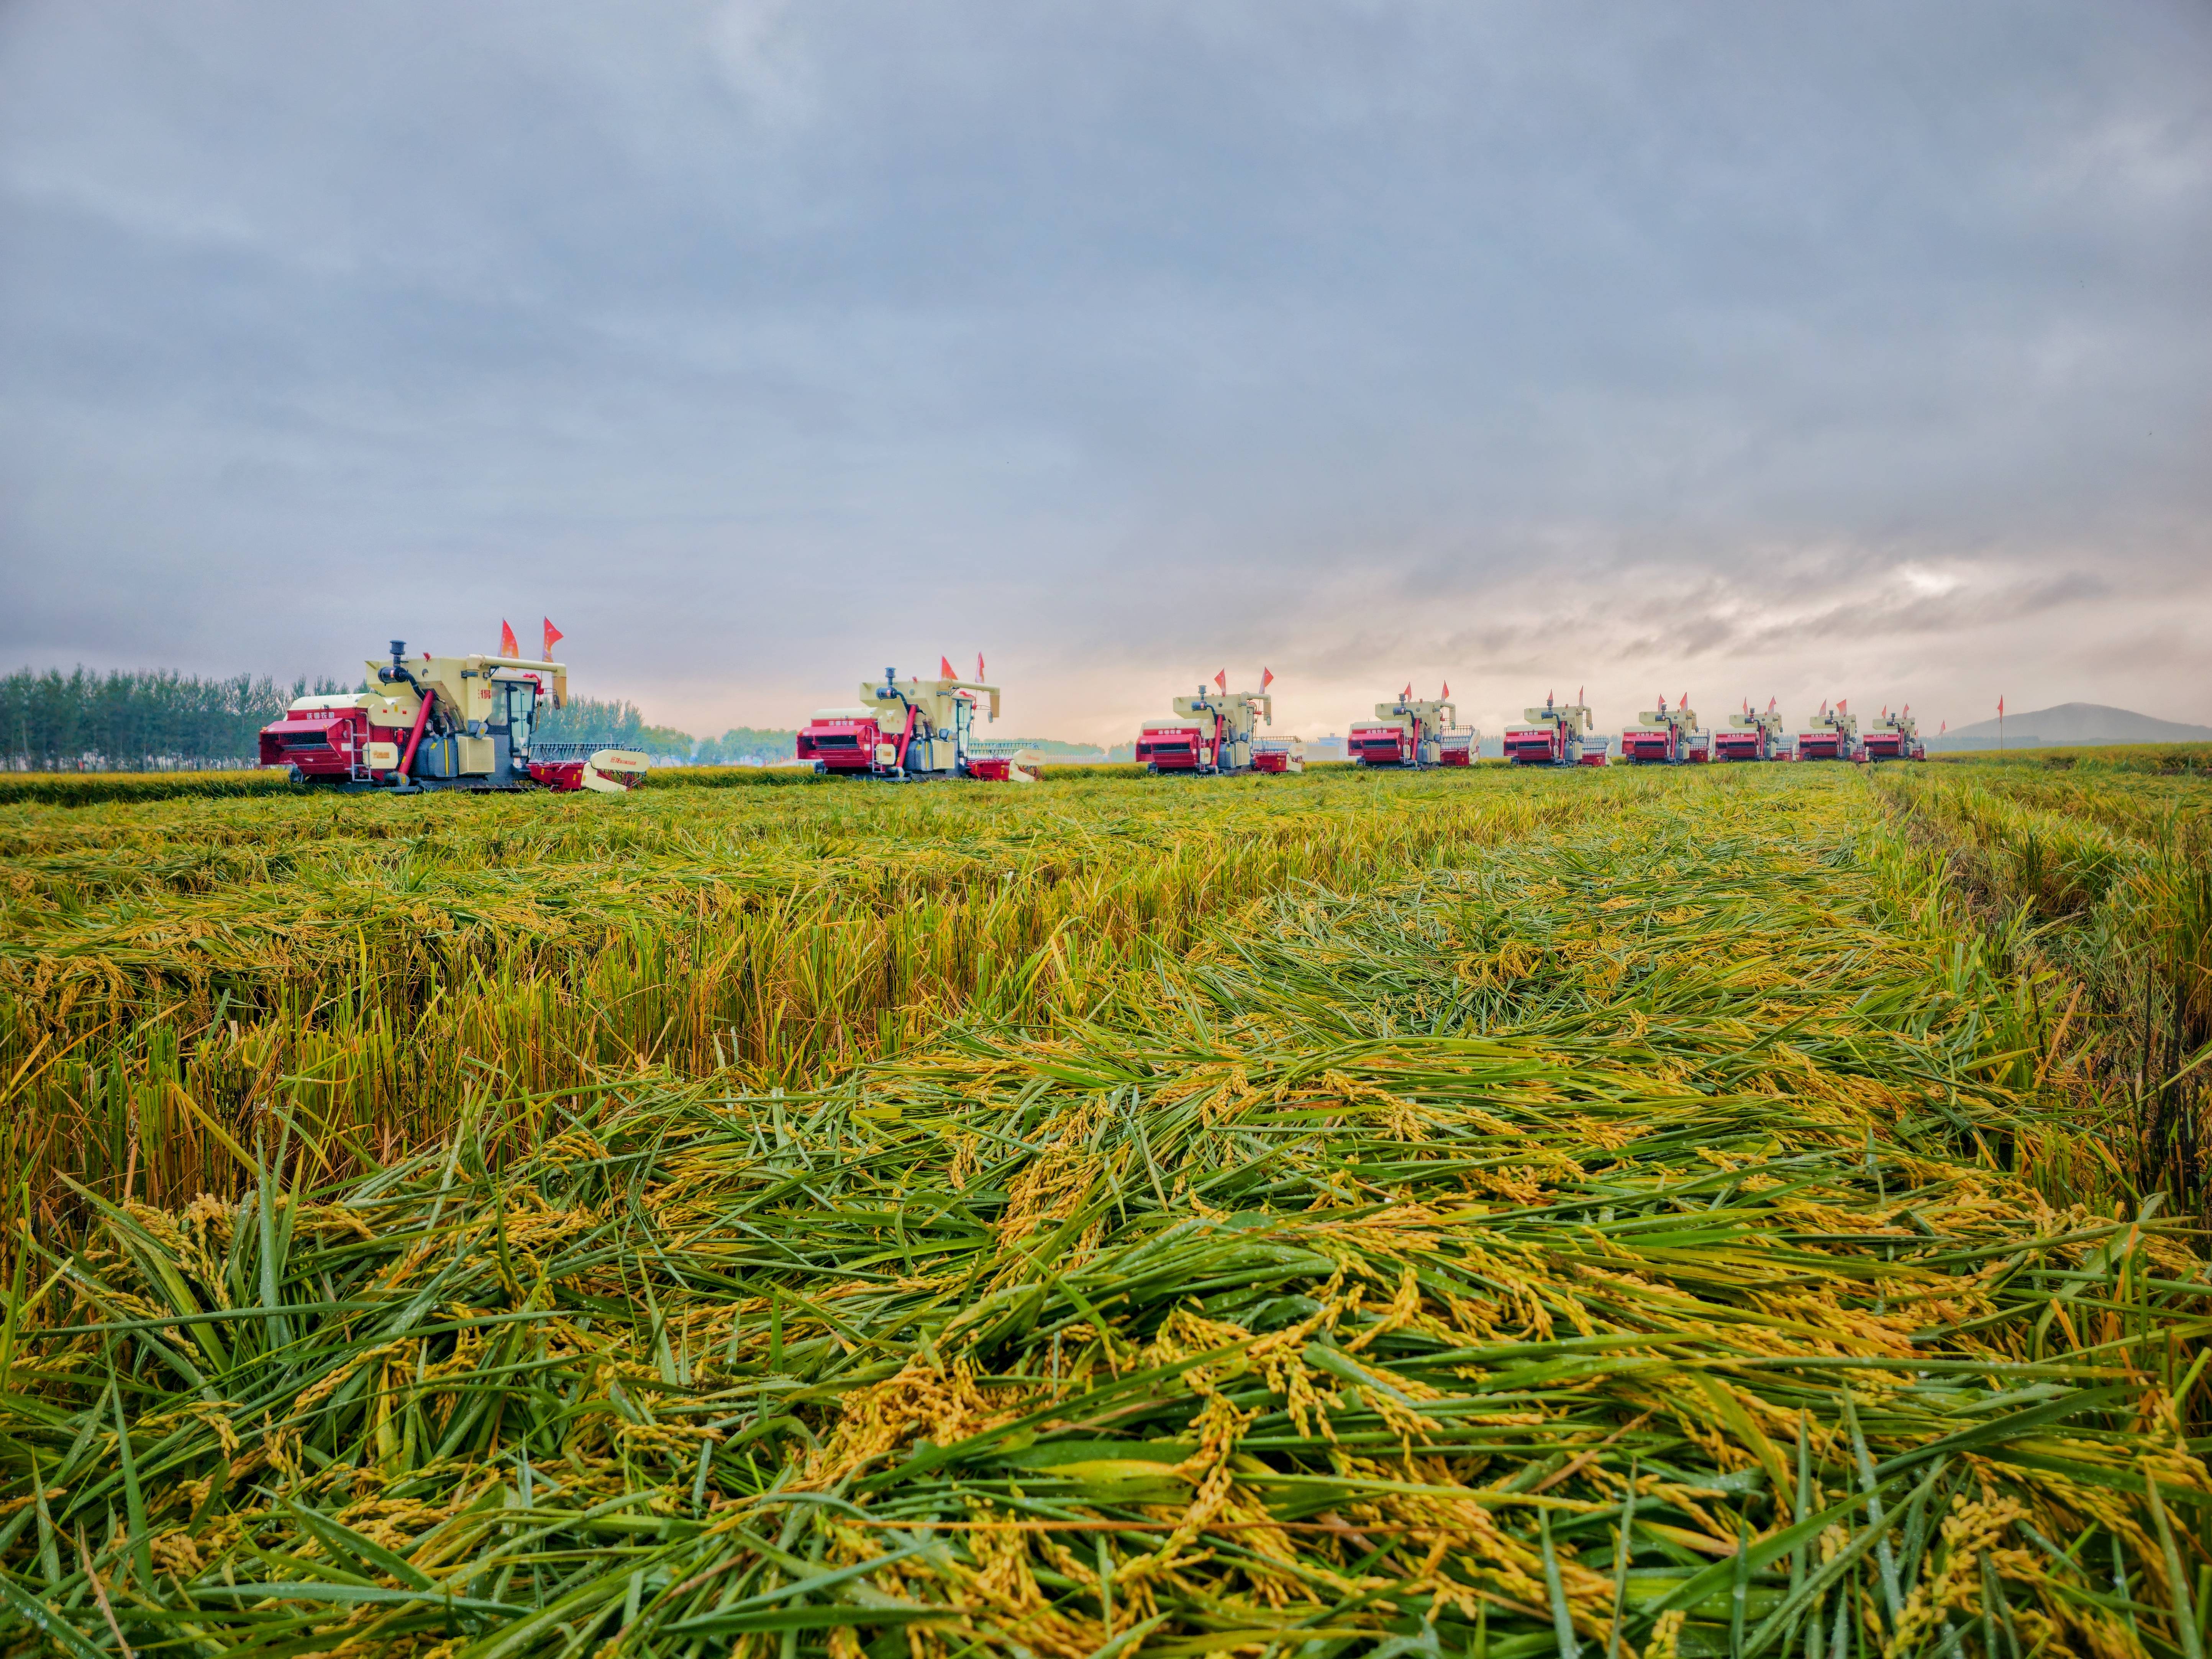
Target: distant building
{"type": "Point", "coordinates": [1330, 746]}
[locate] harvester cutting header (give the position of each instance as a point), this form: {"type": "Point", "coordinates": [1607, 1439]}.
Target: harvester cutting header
{"type": "Point", "coordinates": [1408, 731]}
{"type": "Point", "coordinates": [913, 729]}
{"type": "Point", "coordinates": [1216, 732]}
{"type": "Point", "coordinates": [445, 723]}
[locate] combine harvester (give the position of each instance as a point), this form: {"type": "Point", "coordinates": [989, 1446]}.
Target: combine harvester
{"type": "Point", "coordinates": [1668, 736]}
{"type": "Point", "coordinates": [1214, 732]}
{"type": "Point", "coordinates": [914, 730]}
{"type": "Point", "coordinates": [1835, 736]}
{"type": "Point", "coordinates": [1756, 737]}
{"type": "Point", "coordinates": [1895, 737]}
{"type": "Point", "coordinates": [445, 723]}
{"type": "Point", "coordinates": [1558, 734]}
{"type": "Point", "coordinates": [1410, 733]}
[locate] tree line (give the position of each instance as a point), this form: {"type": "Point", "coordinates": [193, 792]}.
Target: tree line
{"type": "Point", "coordinates": [142, 721]}
{"type": "Point", "coordinates": [157, 719]}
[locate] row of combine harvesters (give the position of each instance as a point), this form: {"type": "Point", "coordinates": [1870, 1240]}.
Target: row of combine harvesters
{"type": "Point", "coordinates": [469, 723]}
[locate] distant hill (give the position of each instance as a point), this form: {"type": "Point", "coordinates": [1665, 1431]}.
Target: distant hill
{"type": "Point", "coordinates": [2072, 723]}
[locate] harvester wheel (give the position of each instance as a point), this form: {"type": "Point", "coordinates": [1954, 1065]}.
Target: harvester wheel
{"type": "Point", "coordinates": [1152, 769]}
{"type": "Point", "coordinates": [295, 775]}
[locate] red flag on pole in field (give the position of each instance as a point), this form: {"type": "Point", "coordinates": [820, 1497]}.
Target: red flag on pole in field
{"type": "Point", "coordinates": [979, 667]}
{"type": "Point", "coordinates": [2000, 708]}
{"type": "Point", "coordinates": [1267, 678]}
{"type": "Point", "coordinates": [944, 668]}
{"type": "Point", "coordinates": [1942, 729]}
{"type": "Point", "coordinates": [553, 637]}
{"type": "Point", "coordinates": [1222, 679]}
{"type": "Point", "coordinates": [507, 647]}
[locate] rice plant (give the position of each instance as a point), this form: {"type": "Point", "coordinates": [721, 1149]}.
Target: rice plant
{"type": "Point", "coordinates": [1496, 1217]}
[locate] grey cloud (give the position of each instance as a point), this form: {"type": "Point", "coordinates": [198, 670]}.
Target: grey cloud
{"type": "Point", "coordinates": [780, 337]}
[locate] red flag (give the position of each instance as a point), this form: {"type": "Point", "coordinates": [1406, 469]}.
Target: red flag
{"type": "Point", "coordinates": [1447, 691]}
{"type": "Point", "coordinates": [944, 668]}
{"type": "Point", "coordinates": [507, 647]}
{"type": "Point", "coordinates": [2000, 708]}
{"type": "Point", "coordinates": [979, 667]}
{"type": "Point", "coordinates": [553, 637]}
{"type": "Point", "coordinates": [1842, 705]}
{"type": "Point", "coordinates": [1683, 702]}
{"type": "Point", "coordinates": [1267, 678]}
{"type": "Point", "coordinates": [1578, 695]}
{"type": "Point", "coordinates": [1406, 696]}
{"type": "Point", "coordinates": [1942, 729]}
{"type": "Point", "coordinates": [1222, 679]}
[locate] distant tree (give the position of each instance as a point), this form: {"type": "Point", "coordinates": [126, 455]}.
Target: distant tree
{"type": "Point", "coordinates": [143, 720]}
{"type": "Point", "coordinates": [748, 745]}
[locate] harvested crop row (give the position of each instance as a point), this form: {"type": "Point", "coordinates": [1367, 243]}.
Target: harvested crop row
{"type": "Point", "coordinates": [1603, 1237]}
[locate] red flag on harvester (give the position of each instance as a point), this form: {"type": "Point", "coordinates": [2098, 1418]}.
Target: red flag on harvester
{"type": "Point", "coordinates": [553, 637]}
{"type": "Point", "coordinates": [1222, 679]}
{"type": "Point", "coordinates": [979, 666]}
{"type": "Point", "coordinates": [1406, 696]}
{"type": "Point", "coordinates": [1446, 696]}
{"type": "Point", "coordinates": [945, 667]}
{"type": "Point", "coordinates": [1267, 678]}
{"type": "Point", "coordinates": [507, 647]}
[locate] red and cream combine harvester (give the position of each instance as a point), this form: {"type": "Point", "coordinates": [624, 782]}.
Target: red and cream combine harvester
{"type": "Point", "coordinates": [1667, 737]}
{"type": "Point", "coordinates": [1558, 734]}
{"type": "Point", "coordinates": [1834, 735]}
{"type": "Point", "coordinates": [1756, 736]}
{"type": "Point", "coordinates": [911, 729]}
{"type": "Point", "coordinates": [1413, 732]}
{"type": "Point", "coordinates": [1895, 737]}
{"type": "Point", "coordinates": [432, 722]}
{"type": "Point", "coordinates": [1217, 732]}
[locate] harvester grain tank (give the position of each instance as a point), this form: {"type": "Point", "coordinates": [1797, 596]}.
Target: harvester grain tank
{"type": "Point", "coordinates": [1214, 731]}
{"type": "Point", "coordinates": [1667, 737]}
{"type": "Point", "coordinates": [429, 723]}
{"type": "Point", "coordinates": [1895, 737]}
{"type": "Point", "coordinates": [1413, 733]}
{"type": "Point", "coordinates": [1558, 734]}
{"type": "Point", "coordinates": [912, 729]}
{"type": "Point", "coordinates": [1834, 735]}
{"type": "Point", "coordinates": [1755, 735]}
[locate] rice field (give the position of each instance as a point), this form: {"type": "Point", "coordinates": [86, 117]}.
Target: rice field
{"type": "Point", "coordinates": [1728, 1210]}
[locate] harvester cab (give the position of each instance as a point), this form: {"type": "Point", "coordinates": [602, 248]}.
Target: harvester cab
{"type": "Point", "coordinates": [444, 723]}
{"type": "Point", "coordinates": [1558, 734]}
{"type": "Point", "coordinates": [1895, 737]}
{"type": "Point", "coordinates": [1834, 735]}
{"type": "Point", "coordinates": [1753, 735]}
{"type": "Point", "coordinates": [910, 728]}
{"type": "Point", "coordinates": [1667, 737]}
{"type": "Point", "coordinates": [1215, 731]}
{"type": "Point", "coordinates": [1409, 732]}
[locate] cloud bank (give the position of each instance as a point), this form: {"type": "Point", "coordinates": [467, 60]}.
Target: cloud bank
{"type": "Point", "coordinates": [1858, 353]}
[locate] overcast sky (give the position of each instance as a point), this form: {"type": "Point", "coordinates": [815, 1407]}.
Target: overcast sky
{"type": "Point", "coordinates": [1748, 350]}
